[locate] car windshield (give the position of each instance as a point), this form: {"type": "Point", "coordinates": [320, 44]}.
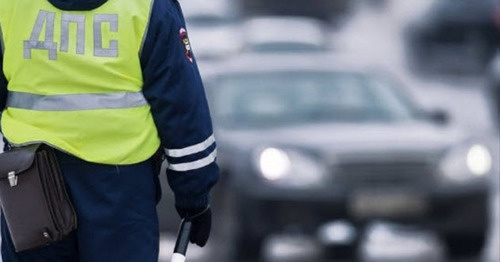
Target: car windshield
{"type": "Point", "coordinates": [269, 99]}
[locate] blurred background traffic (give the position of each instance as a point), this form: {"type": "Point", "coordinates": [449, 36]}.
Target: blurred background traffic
{"type": "Point", "coordinates": [350, 130]}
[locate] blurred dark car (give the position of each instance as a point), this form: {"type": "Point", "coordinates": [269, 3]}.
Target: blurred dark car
{"type": "Point", "coordinates": [304, 142]}
{"type": "Point", "coordinates": [495, 86]}
{"type": "Point", "coordinates": [458, 36]}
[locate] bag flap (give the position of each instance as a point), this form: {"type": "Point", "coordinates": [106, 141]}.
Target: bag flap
{"type": "Point", "coordinates": [17, 160]}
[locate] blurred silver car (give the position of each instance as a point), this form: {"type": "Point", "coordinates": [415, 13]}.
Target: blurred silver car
{"type": "Point", "coordinates": [455, 36]}
{"type": "Point", "coordinates": [214, 28]}
{"type": "Point", "coordinates": [306, 141]}
{"type": "Point", "coordinates": [285, 34]}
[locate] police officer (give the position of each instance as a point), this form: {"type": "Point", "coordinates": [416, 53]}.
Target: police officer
{"type": "Point", "coordinates": [108, 83]}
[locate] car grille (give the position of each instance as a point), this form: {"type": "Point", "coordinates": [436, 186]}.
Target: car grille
{"type": "Point", "coordinates": [385, 173]}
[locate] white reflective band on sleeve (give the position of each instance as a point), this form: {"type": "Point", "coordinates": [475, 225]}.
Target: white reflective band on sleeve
{"type": "Point", "coordinates": [75, 102]}
{"type": "Point", "coordinates": [191, 149]}
{"type": "Point", "coordinates": [195, 164]}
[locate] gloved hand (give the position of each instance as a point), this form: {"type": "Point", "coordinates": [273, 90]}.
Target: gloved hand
{"type": "Point", "coordinates": [201, 220]}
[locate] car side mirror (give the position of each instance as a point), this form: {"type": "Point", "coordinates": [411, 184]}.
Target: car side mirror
{"type": "Point", "coordinates": [439, 116]}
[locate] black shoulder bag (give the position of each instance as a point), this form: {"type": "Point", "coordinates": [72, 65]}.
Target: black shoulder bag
{"type": "Point", "coordinates": [33, 196]}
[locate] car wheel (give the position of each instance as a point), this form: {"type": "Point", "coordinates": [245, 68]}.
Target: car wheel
{"type": "Point", "coordinates": [464, 245]}
{"type": "Point", "coordinates": [247, 241]}
{"type": "Point", "coordinates": [234, 224]}
{"type": "Point", "coordinates": [342, 252]}
{"type": "Point", "coordinates": [247, 247]}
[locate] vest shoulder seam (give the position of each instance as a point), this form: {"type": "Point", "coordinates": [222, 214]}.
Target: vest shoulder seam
{"type": "Point", "coordinates": [146, 30]}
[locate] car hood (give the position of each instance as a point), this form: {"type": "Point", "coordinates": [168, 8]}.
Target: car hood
{"type": "Point", "coordinates": [349, 139]}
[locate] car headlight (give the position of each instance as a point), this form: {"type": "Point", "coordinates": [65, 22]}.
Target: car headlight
{"type": "Point", "coordinates": [467, 163]}
{"type": "Point", "coordinates": [289, 168]}
{"type": "Point", "coordinates": [274, 163]}
{"type": "Point", "coordinates": [479, 160]}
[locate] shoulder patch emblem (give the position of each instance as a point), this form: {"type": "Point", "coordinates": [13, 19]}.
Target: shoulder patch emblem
{"type": "Point", "coordinates": [186, 44]}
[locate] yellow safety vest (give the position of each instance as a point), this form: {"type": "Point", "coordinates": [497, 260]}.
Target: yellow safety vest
{"type": "Point", "coordinates": [75, 79]}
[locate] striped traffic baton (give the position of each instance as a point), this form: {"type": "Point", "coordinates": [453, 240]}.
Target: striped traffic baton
{"type": "Point", "coordinates": [182, 242]}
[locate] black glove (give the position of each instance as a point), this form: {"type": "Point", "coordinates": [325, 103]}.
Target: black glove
{"type": "Point", "coordinates": [201, 220]}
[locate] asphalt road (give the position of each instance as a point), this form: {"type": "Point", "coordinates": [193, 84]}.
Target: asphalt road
{"type": "Point", "coordinates": [384, 243]}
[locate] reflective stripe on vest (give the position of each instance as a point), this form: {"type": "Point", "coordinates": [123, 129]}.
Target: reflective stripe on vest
{"type": "Point", "coordinates": [75, 102]}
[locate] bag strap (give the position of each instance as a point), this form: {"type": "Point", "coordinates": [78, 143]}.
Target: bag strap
{"type": "Point", "coordinates": [6, 145]}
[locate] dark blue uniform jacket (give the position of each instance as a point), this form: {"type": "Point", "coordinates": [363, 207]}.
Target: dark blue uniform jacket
{"type": "Point", "coordinates": [175, 92]}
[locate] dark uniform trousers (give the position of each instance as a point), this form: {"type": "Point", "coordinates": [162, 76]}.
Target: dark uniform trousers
{"type": "Point", "coordinates": [116, 210]}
